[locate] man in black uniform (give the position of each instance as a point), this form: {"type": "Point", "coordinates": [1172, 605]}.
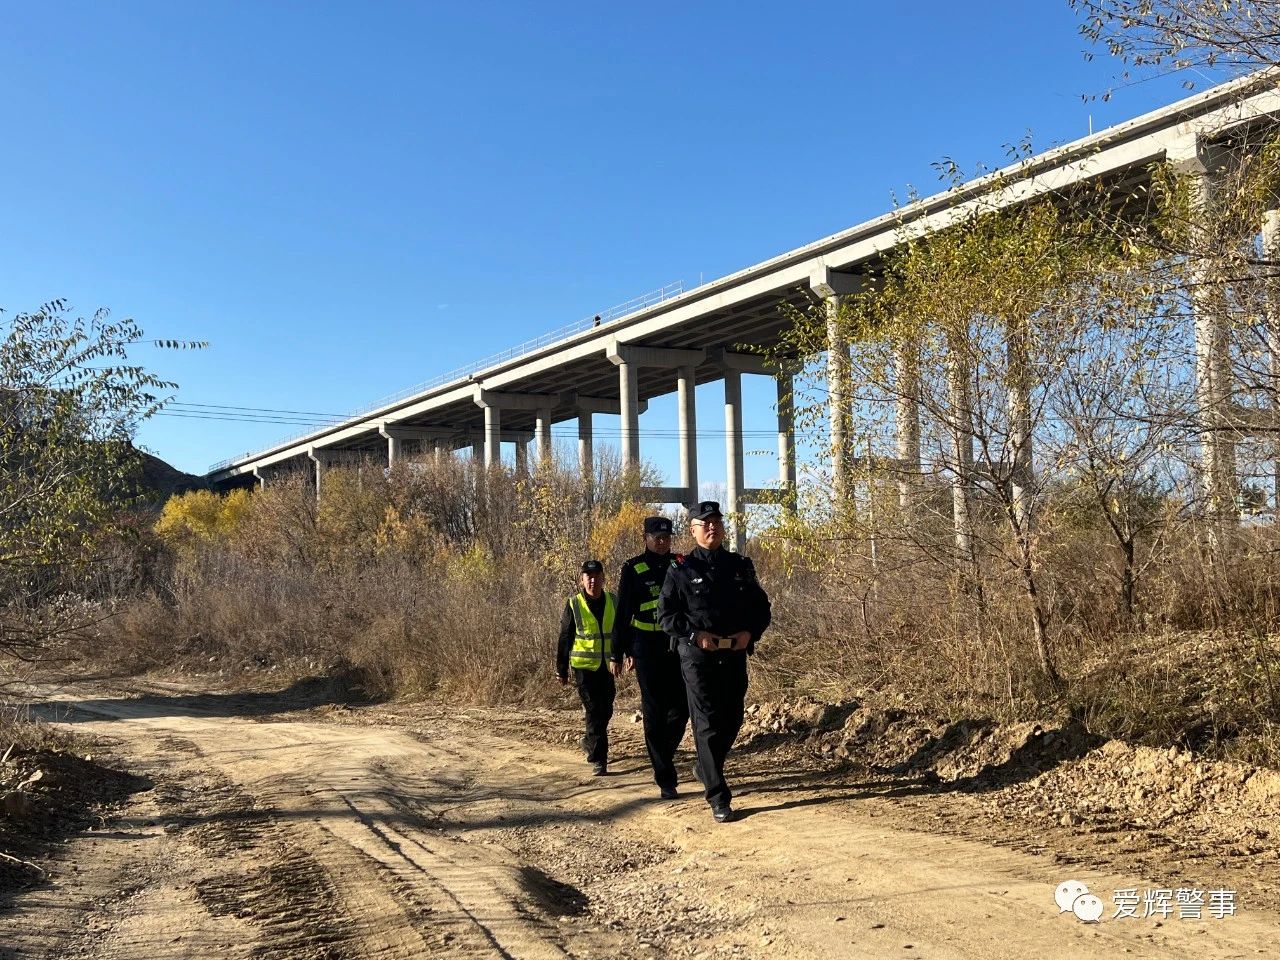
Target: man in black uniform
{"type": "Point", "coordinates": [715, 610]}
{"type": "Point", "coordinates": [663, 701]}
{"type": "Point", "coordinates": [588, 644]}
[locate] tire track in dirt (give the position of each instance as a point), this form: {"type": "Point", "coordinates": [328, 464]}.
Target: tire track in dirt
{"type": "Point", "coordinates": [319, 860]}
{"type": "Point", "coordinates": [285, 894]}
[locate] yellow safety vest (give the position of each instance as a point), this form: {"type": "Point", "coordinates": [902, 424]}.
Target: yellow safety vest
{"type": "Point", "coordinates": [593, 642]}
{"type": "Point", "coordinates": [649, 609]}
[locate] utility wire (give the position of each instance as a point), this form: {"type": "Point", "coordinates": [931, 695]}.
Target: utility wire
{"type": "Point", "coordinates": [609, 433]}
{"type": "Point", "coordinates": [240, 418]}
{"type": "Point", "coordinates": [223, 406]}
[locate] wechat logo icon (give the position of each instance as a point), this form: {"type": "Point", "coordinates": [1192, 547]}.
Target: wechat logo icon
{"type": "Point", "coordinates": [1072, 896]}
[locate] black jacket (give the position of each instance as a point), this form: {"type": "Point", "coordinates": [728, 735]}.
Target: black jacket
{"type": "Point", "coordinates": [569, 629]}
{"type": "Point", "coordinates": [633, 590]}
{"type": "Point", "coordinates": [716, 591]}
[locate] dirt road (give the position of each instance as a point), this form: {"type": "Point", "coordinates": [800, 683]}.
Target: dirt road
{"type": "Point", "coordinates": [275, 835]}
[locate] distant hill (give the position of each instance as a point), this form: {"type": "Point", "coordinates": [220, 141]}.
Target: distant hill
{"type": "Point", "coordinates": [161, 481]}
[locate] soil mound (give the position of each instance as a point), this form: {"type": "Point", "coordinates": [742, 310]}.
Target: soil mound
{"type": "Point", "coordinates": [45, 797]}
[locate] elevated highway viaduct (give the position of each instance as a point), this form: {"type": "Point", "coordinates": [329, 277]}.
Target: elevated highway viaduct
{"type": "Point", "coordinates": [695, 336]}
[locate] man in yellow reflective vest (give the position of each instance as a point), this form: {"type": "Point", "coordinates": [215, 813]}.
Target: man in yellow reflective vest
{"type": "Point", "coordinates": [588, 644]}
{"type": "Point", "coordinates": [663, 701]}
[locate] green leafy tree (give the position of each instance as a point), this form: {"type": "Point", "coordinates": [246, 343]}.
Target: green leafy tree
{"type": "Point", "coordinates": [70, 401]}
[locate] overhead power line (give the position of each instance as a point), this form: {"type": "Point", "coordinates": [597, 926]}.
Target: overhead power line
{"type": "Point", "coordinates": [598, 432]}
{"type": "Point", "coordinates": [241, 418]}
{"type": "Point", "coordinates": [224, 406]}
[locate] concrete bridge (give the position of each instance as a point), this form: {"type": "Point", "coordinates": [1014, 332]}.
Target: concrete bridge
{"type": "Point", "coordinates": [696, 336]}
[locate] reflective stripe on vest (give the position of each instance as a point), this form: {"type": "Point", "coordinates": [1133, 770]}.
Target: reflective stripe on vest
{"type": "Point", "coordinates": [646, 615]}
{"type": "Point", "coordinates": [646, 625]}
{"type": "Point", "coordinates": [593, 643]}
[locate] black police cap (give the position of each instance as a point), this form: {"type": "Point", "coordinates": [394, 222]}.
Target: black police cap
{"type": "Point", "coordinates": [707, 509]}
{"type": "Point", "coordinates": [656, 526]}
{"type": "Point", "coordinates": [592, 566]}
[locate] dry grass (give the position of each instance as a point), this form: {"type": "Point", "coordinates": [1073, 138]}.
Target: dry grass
{"type": "Point", "coordinates": [439, 581]}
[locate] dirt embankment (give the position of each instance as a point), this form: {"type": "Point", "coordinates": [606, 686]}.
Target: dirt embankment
{"type": "Point", "coordinates": [1053, 788]}
{"type": "Point", "coordinates": [47, 796]}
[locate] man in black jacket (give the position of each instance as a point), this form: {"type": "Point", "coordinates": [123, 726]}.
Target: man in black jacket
{"type": "Point", "coordinates": [588, 644]}
{"type": "Point", "coordinates": [713, 607]}
{"type": "Point", "coordinates": [663, 702]}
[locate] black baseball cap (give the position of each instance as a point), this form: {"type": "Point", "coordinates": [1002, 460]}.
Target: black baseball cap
{"type": "Point", "coordinates": [592, 566]}
{"type": "Point", "coordinates": [657, 526]}
{"type": "Point", "coordinates": [705, 509]}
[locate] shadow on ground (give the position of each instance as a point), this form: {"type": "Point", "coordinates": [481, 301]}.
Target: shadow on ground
{"type": "Point", "coordinates": [304, 694]}
{"type": "Point", "coordinates": [952, 761]}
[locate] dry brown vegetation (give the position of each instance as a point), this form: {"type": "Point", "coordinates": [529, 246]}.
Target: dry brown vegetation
{"type": "Point", "coordinates": [433, 580]}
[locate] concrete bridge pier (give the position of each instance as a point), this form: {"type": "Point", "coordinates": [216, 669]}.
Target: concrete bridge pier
{"type": "Point", "coordinates": [785, 384]}
{"type": "Point", "coordinates": [492, 437]}
{"type": "Point", "coordinates": [323, 460]}
{"type": "Point", "coordinates": [737, 495]}
{"type": "Point", "coordinates": [1022, 467]}
{"type": "Point", "coordinates": [686, 382]}
{"type": "Point", "coordinates": [493, 402]}
{"type": "Point", "coordinates": [629, 414]}
{"type": "Point", "coordinates": [1214, 387]}
{"type": "Point", "coordinates": [319, 462]}
{"type": "Point", "coordinates": [1271, 253]}
{"type": "Point", "coordinates": [586, 450]}
{"type": "Point", "coordinates": [733, 459]}
{"type": "Point", "coordinates": [629, 358]}
{"type": "Point", "coordinates": [398, 436]}
{"type": "Point", "coordinates": [839, 390]}
{"type": "Point", "coordinates": [542, 435]}
{"type": "Point", "coordinates": [907, 421]}
{"type": "Point", "coordinates": [586, 407]}
{"type": "Point", "coordinates": [961, 430]}
{"type": "Point", "coordinates": [830, 287]}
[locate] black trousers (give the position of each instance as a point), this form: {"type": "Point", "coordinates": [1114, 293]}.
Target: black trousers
{"type": "Point", "coordinates": [664, 706]}
{"type": "Point", "coordinates": [596, 690]}
{"type": "Point", "coordinates": [717, 688]}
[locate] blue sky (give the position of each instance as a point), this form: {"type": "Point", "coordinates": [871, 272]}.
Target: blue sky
{"type": "Point", "coordinates": [348, 199]}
